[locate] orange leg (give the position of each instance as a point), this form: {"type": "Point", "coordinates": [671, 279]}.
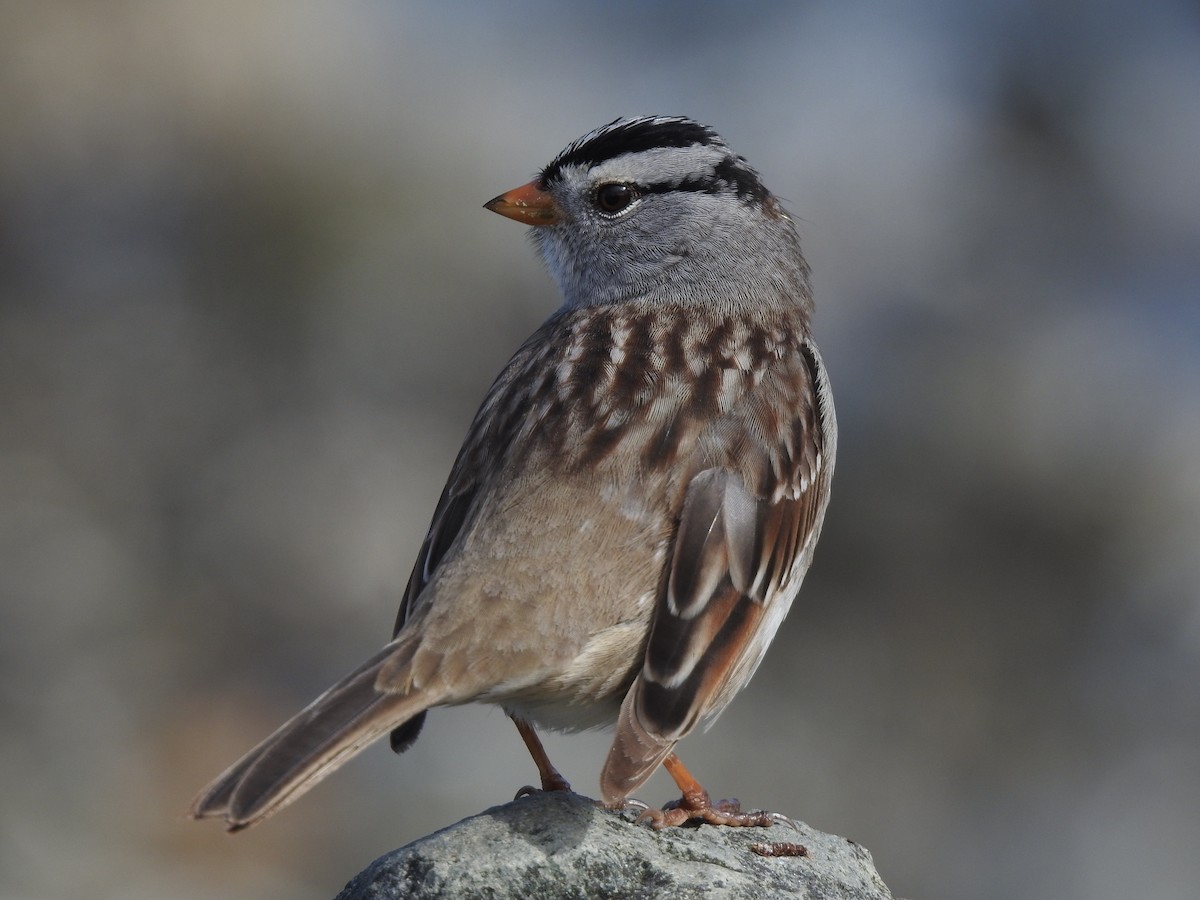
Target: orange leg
{"type": "Point", "coordinates": [551, 779]}
{"type": "Point", "coordinates": [696, 806]}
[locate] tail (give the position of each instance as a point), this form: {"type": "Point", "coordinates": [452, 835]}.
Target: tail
{"type": "Point", "coordinates": [325, 734]}
{"type": "Point", "coordinates": [635, 753]}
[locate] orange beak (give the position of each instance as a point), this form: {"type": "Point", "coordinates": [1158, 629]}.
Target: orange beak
{"type": "Point", "coordinates": [529, 204]}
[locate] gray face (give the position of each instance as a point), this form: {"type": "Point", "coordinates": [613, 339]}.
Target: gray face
{"type": "Point", "coordinates": [683, 221]}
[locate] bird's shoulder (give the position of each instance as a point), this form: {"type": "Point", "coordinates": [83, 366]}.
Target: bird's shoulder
{"type": "Point", "coordinates": [653, 388]}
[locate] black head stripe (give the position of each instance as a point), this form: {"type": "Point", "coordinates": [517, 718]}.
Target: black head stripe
{"type": "Point", "coordinates": [630, 136]}
{"type": "Point", "coordinates": [731, 174]}
{"type": "Point", "coordinates": [622, 136]}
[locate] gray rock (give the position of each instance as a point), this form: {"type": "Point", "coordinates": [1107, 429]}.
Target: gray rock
{"type": "Point", "coordinates": [558, 846]}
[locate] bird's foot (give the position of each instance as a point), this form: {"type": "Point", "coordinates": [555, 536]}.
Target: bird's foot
{"type": "Point", "coordinates": [697, 808]}
{"type": "Point", "coordinates": [551, 781]}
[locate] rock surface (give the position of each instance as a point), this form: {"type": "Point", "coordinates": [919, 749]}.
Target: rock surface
{"type": "Point", "coordinates": [558, 846]}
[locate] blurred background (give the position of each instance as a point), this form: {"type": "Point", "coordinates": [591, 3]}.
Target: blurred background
{"type": "Point", "coordinates": [249, 302]}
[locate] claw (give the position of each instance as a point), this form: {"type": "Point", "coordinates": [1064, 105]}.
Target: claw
{"type": "Point", "coordinates": [548, 786]}
{"type": "Point", "coordinates": [623, 806]}
{"type": "Point", "coordinates": [696, 806]}
{"type": "Point", "coordinates": [781, 819]}
{"type": "Point", "coordinates": [701, 809]}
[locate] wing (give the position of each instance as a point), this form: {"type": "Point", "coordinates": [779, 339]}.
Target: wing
{"type": "Point", "coordinates": [491, 431]}
{"type": "Point", "coordinates": [744, 542]}
{"type": "Point", "coordinates": [448, 519]}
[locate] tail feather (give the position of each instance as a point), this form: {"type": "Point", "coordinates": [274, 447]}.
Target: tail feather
{"type": "Point", "coordinates": [635, 753]}
{"type": "Point", "coordinates": [329, 731]}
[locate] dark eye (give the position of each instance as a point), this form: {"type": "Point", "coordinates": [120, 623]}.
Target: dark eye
{"type": "Point", "coordinates": [613, 198]}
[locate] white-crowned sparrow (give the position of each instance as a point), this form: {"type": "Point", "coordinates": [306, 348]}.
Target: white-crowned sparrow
{"type": "Point", "coordinates": [637, 500]}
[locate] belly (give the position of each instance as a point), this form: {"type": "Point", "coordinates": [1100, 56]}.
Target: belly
{"type": "Point", "coordinates": [584, 691]}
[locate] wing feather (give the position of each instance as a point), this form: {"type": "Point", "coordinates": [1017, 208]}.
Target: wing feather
{"type": "Point", "coordinates": [744, 542]}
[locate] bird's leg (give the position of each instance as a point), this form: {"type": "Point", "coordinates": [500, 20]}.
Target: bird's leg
{"type": "Point", "coordinates": [551, 779]}
{"type": "Point", "coordinates": [696, 806]}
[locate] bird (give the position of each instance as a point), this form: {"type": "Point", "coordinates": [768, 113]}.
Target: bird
{"type": "Point", "coordinates": [638, 497]}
